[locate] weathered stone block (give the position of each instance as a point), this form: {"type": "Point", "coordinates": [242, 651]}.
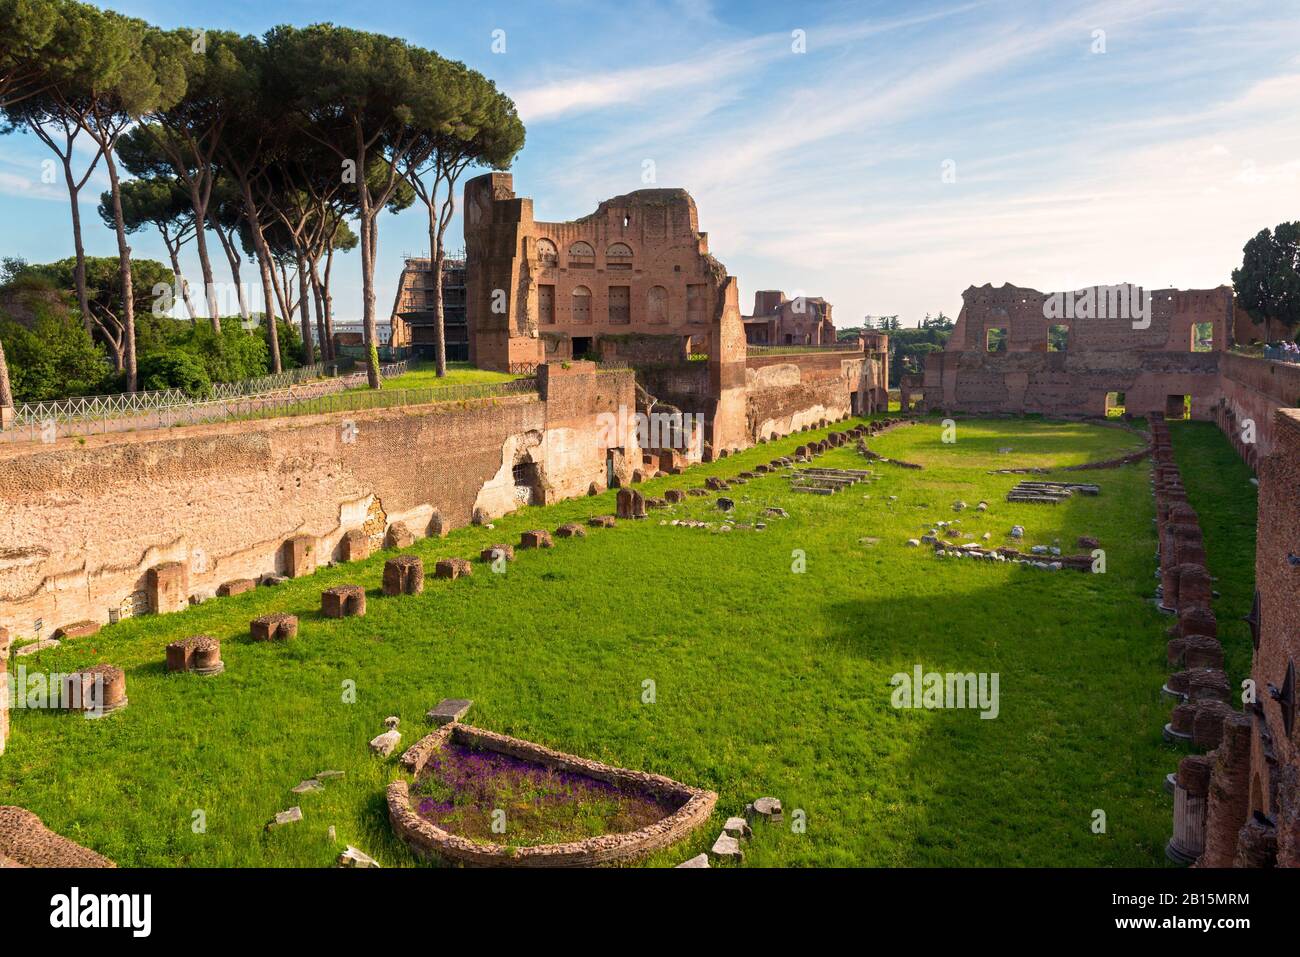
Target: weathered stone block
{"type": "Point", "coordinates": [536, 538]}
{"type": "Point", "coordinates": [291, 816]}
{"type": "Point", "coordinates": [299, 556]}
{"type": "Point", "coordinates": [198, 653]}
{"type": "Point", "coordinates": [571, 530]}
{"type": "Point", "coordinates": [100, 689]}
{"type": "Point", "coordinates": [493, 552]}
{"type": "Point", "coordinates": [404, 575]}
{"type": "Point", "coordinates": [675, 495]}
{"type": "Point", "coordinates": [1207, 723]}
{"type": "Point", "coordinates": [399, 536]}
{"type": "Point", "coordinates": [1229, 796]}
{"type": "Point", "coordinates": [601, 521]}
{"type": "Point", "coordinates": [355, 545]}
{"type": "Point", "coordinates": [448, 710]}
{"type": "Point", "coordinates": [1195, 651]}
{"type": "Point", "coordinates": [452, 568]}
{"type": "Point", "coordinates": [236, 587]}
{"type": "Point", "coordinates": [343, 601]}
{"type": "Point", "coordinates": [1196, 620]}
{"type": "Point", "coordinates": [1194, 587]}
{"type": "Point", "coordinates": [35, 647]}
{"type": "Point", "coordinates": [274, 627]}
{"type": "Point", "coordinates": [78, 629]}
{"type": "Point", "coordinates": [631, 503]}
{"type": "Point", "coordinates": [167, 586]}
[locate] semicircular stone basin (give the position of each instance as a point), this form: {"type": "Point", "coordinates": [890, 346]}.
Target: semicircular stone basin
{"type": "Point", "coordinates": [483, 799]}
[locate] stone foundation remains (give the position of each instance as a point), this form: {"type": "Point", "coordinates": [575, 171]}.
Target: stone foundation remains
{"type": "Point", "coordinates": [426, 839]}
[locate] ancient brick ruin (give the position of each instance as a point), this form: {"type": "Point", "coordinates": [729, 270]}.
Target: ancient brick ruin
{"type": "Point", "coordinates": [540, 290]}
{"type": "Point", "coordinates": [233, 504]}
{"type": "Point", "coordinates": [634, 282]}
{"type": "Point", "coordinates": [1007, 354]}
{"type": "Point", "coordinates": [778, 321]}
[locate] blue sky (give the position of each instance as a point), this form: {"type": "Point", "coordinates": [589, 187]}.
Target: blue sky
{"type": "Point", "coordinates": [822, 172]}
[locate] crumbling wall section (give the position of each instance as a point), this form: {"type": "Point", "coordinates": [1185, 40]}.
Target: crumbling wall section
{"type": "Point", "coordinates": [1148, 358]}
{"type": "Point", "coordinates": [82, 525]}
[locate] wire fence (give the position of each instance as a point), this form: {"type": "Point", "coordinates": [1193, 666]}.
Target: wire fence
{"type": "Point", "coordinates": [132, 403]}
{"type": "Point", "coordinates": [1281, 354]}
{"type": "Point", "coordinates": [757, 350]}
{"type": "Point", "coordinates": [46, 422]}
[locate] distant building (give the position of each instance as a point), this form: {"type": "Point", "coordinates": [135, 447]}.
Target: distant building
{"type": "Point", "coordinates": [353, 333]}
{"type": "Point", "coordinates": [778, 321]}
{"type": "Point", "coordinates": [414, 321]}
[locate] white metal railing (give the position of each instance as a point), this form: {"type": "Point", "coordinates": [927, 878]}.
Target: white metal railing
{"type": "Point", "coordinates": [47, 421]}
{"type": "Point", "coordinates": [131, 403]}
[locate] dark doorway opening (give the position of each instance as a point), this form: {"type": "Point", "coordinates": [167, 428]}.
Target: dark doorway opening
{"type": "Point", "coordinates": [528, 483]}
{"type": "Point", "coordinates": [611, 472]}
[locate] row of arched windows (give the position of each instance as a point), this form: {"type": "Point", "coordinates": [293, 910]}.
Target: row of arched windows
{"type": "Point", "coordinates": [618, 304]}
{"type": "Point", "coordinates": [582, 255]}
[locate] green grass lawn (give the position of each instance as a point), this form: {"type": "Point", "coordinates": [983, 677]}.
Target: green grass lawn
{"type": "Point", "coordinates": [423, 376]}
{"type": "Point", "coordinates": [1219, 488]}
{"type": "Point", "coordinates": [766, 681]}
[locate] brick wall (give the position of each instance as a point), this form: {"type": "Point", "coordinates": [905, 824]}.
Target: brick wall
{"type": "Point", "coordinates": [83, 524]}
{"type": "Point", "coordinates": [1275, 764]}
{"type": "Point", "coordinates": [1149, 365]}
{"type": "Point", "coordinates": [1251, 392]}
{"type": "Point", "coordinates": [522, 274]}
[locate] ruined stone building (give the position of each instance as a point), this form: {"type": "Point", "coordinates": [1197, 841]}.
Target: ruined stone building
{"type": "Point", "coordinates": [778, 321]}
{"type": "Point", "coordinates": [539, 290]}
{"type": "Point", "coordinates": [1013, 351]}
{"type": "Point", "coordinates": [414, 319]}
{"type": "Point", "coordinates": [1007, 354]}
{"type": "Point", "coordinates": [634, 282]}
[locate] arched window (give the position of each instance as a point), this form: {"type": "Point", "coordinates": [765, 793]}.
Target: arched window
{"type": "Point", "coordinates": [618, 256]}
{"type": "Point", "coordinates": [657, 305]}
{"type": "Point", "coordinates": [581, 305]}
{"type": "Point", "coordinates": [547, 252]}
{"type": "Point", "coordinates": [581, 256]}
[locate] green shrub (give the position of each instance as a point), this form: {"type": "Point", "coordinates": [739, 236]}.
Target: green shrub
{"type": "Point", "coordinates": [52, 358]}
{"type": "Point", "coordinates": [176, 369]}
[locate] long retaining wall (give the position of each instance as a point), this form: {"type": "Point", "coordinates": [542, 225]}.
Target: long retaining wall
{"type": "Point", "coordinates": [122, 524]}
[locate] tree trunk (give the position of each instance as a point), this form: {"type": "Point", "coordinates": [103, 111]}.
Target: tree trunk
{"type": "Point", "coordinates": [318, 307]}
{"type": "Point", "coordinates": [180, 278]}
{"type": "Point", "coordinates": [439, 328]}
{"type": "Point", "coordinates": [6, 393]}
{"type": "Point", "coordinates": [368, 215]}
{"type": "Point", "coordinates": [308, 353]}
{"type": "Point", "coordinates": [232, 257]}
{"type": "Point", "coordinates": [268, 280]}
{"type": "Point", "coordinates": [329, 299]}
{"type": "Point", "coordinates": [279, 292]}
{"type": "Point", "coordinates": [124, 268]}
{"type": "Point", "coordinates": [205, 263]}
{"type": "Point", "coordinates": [79, 272]}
